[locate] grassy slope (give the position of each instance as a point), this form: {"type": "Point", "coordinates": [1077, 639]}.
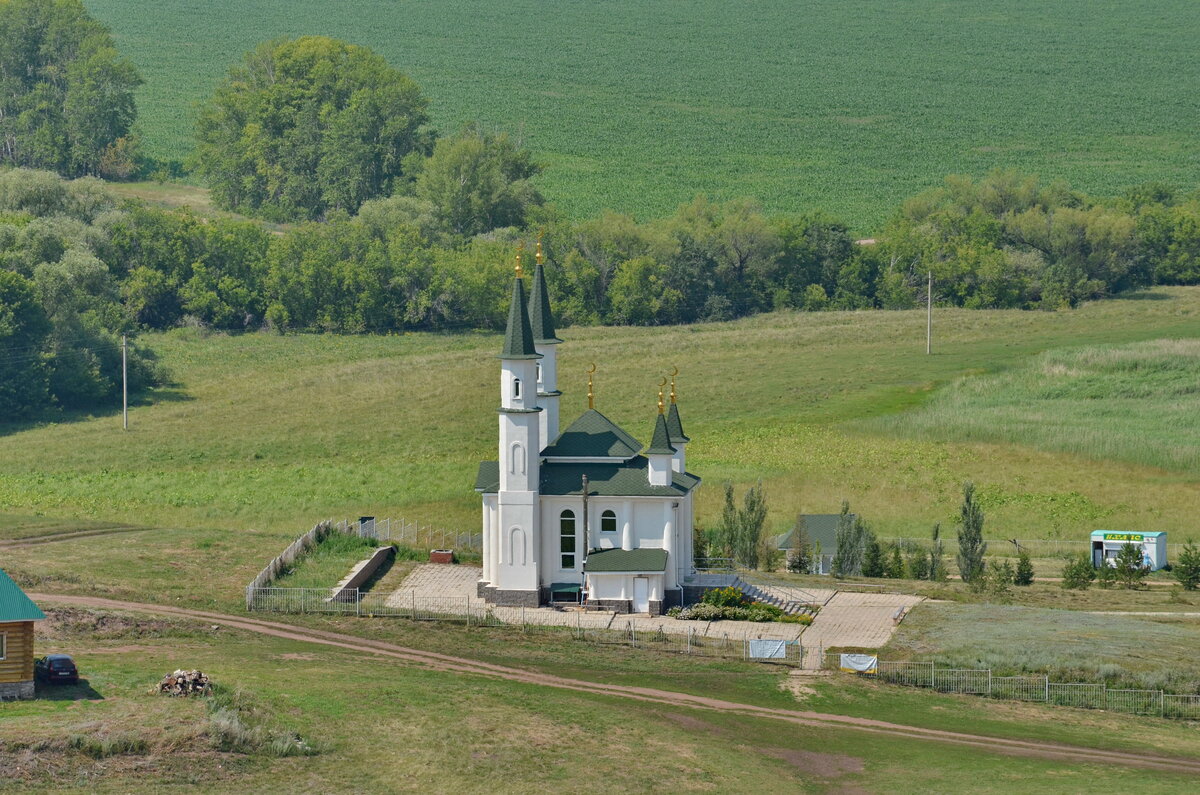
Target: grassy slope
{"type": "Point", "coordinates": [271, 433]}
{"type": "Point", "coordinates": [1136, 403]}
{"type": "Point", "coordinates": [847, 106]}
{"type": "Point", "coordinates": [386, 722]}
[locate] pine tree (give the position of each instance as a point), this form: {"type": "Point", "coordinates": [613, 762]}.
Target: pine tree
{"type": "Point", "coordinates": [1187, 568]}
{"type": "Point", "coordinates": [1130, 566]}
{"type": "Point", "coordinates": [971, 546]}
{"type": "Point", "coordinates": [1024, 575]}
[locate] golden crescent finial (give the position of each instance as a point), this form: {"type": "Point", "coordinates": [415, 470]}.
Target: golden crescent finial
{"type": "Point", "coordinates": [663, 382]}
{"type": "Point", "coordinates": [592, 369]}
{"type": "Point", "coordinates": [539, 247]}
{"type": "Point", "coordinates": [520, 248]}
{"type": "Point", "coordinates": [591, 397]}
{"type": "Point", "coordinates": [660, 395]}
{"type": "Point", "coordinates": [674, 372]}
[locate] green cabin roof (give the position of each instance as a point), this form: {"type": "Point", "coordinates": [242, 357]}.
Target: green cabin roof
{"type": "Point", "coordinates": [593, 436]}
{"type": "Point", "coordinates": [619, 479]}
{"type": "Point", "coordinates": [821, 528]}
{"type": "Point", "coordinates": [518, 335]}
{"type": "Point", "coordinates": [540, 316]}
{"type": "Point", "coordinates": [626, 560]}
{"type": "Point", "coordinates": [14, 604]}
{"type": "Point", "coordinates": [675, 427]}
{"type": "Point", "coordinates": [660, 444]}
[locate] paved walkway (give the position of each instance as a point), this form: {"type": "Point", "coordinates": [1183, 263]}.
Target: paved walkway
{"type": "Point", "coordinates": [848, 619]}
{"type": "Point", "coordinates": [855, 619]}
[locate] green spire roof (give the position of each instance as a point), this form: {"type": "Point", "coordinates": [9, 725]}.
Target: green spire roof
{"type": "Point", "coordinates": [661, 443]}
{"type": "Point", "coordinates": [14, 604]}
{"type": "Point", "coordinates": [539, 310]}
{"type": "Point", "coordinates": [675, 427]}
{"type": "Point", "coordinates": [518, 337]}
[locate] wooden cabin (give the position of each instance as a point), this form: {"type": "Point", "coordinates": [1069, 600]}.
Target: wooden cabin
{"type": "Point", "coordinates": [17, 614]}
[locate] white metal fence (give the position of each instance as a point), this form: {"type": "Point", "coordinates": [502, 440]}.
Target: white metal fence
{"type": "Point", "coordinates": [467, 611]}
{"type": "Point", "coordinates": [1036, 547]}
{"type": "Point", "coordinates": [411, 534]}
{"type": "Point", "coordinates": [1082, 695]}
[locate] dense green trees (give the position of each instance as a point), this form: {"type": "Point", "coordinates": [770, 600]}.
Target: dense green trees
{"type": "Point", "coordinates": [306, 126]}
{"type": "Point", "coordinates": [61, 315]}
{"type": "Point", "coordinates": [66, 95]}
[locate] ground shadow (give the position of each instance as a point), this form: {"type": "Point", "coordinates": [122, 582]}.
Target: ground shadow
{"type": "Point", "coordinates": [80, 692]}
{"type": "Point", "coordinates": [170, 393]}
{"type": "Point", "coordinates": [383, 569]}
{"type": "Point", "coordinates": [1142, 295]}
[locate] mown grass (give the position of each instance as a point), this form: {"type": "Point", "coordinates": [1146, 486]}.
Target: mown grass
{"type": "Point", "coordinates": [328, 562]}
{"type": "Point", "coordinates": [1135, 403]}
{"type": "Point", "coordinates": [1068, 646]}
{"type": "Point", "coordinates": [263, 435]}
{"type": "Point", "coordinates": [636, 106]}
{"type": "Point", "coordinates": [385, 722]}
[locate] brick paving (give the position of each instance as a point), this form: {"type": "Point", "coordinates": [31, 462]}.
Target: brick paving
{"type": "Point", "coordinates": [847, 619]}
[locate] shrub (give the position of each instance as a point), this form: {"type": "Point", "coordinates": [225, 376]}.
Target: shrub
{"type": "Point", "coordinates": [104, 746]}
{"type": "Point", "coordinates": [917, 565]}
{"type": "Point", "coordinates": [893, 567]}
{"type": "Point", "coordinates": [999, 579]}
{"type": "Point", "coordinates": [1078, 574]}
{"type": "Point", "coordinates": [725, 597]}
{"type": "Point", "coordinates": [1024, 573]}
{"type": "Point", "coordinates": [1106, 576]}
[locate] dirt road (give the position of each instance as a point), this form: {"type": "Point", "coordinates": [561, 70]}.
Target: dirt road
{"type": "Point", "coordinates": [444, 662]}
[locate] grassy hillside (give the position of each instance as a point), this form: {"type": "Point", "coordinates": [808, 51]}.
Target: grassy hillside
{"type": "Point", "coordinates": [848, 106]}
{"type": "Point", "coordinates": [385, 721]}
{"type": "Point", "coordinates": [1135, 403]}
{"type": "Point", "coordinates": [270, 433]}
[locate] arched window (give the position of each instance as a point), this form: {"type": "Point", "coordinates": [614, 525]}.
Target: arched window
{"type": "Point", "coordinates": [517, 464]}
{"type": "Point", "coordinates": [517, 388]}
{"type": "Point", "coordinates": [539, 372]}
{"type": "Point", "coordinates": [567, 540]}
{"type": "Point", "coordinates": [608, 522]}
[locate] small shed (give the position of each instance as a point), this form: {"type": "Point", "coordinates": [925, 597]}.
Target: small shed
{"type": "Point", "coordinates": [1106, 545]}
{"type": "Point", "coordinates": [820, 532]}
{"type": "Point", "coordinates": [17, 614]}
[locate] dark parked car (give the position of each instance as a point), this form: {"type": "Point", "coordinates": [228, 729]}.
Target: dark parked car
{"type": "Point", "coordinates": [56, 668]}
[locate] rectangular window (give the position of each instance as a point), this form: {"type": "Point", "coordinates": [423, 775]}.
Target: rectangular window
{"type": "Point", "coordinates": [567, 548]}
{"type": "Point", "coordinates": [3, 645]}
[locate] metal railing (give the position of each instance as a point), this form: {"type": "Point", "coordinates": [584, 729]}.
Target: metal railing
{"type": "Point", "coordinates": [1032, 687]}
{"type": "Point", "coordinates": [411, 534]}
{"type": "Point", "coordinates": [472, 613]}
{"type": "Point", "coordinates": [1036, 547]}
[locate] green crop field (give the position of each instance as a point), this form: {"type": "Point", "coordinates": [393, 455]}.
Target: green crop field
{"type": "Point", "coordinates": [846, 106]}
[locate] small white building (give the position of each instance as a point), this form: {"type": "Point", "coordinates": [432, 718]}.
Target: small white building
{"type": "Point", "coordinates": [1106, 545]}
{"type": "Point", "coordinates": [625, 543]}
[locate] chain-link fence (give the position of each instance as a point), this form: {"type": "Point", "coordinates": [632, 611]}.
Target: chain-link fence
{"type": "Point", "coordinates": [1029, 687]}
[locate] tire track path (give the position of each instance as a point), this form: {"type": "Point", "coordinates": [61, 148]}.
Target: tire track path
{"type": "Point", "coordinates": [444, 662]}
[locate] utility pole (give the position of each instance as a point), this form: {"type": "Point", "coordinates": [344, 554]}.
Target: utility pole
{"type": "Point", "coordinates": [929, 316]}
{"type": "Point", "coordinates": [124, 383]}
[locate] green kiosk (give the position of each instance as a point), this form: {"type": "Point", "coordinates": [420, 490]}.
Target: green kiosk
{"type": "Point", "coordinates": [1106, 544]}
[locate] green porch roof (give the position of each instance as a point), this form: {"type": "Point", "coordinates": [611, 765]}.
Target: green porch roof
{"type": "Point", "coordinates": [624, 479]}
{"type": "Point", "coordinates": [626, 560]}
{"type": "Point", "coordinates": [14, 604]}
{"type": "Point", "coordinates": [593, 436]}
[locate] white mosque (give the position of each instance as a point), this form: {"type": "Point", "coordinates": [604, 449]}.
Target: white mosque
{"type": "Point", "coordinates": [586, 514]}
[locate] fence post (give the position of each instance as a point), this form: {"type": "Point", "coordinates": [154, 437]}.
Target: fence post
{"type": "Point", "coordinates": [357, 602]}
{"type": "Point", "coordinates": [689, 640]}
{"type": "Point", "coordinates": [467, 599]}
{"type": "Point", "coordinates": [932, 677]}
{"type": "Point", "coordinates": [1162, 709]}
{"type": "Point", "coordinates": [989, 683]}
{"type": "Point", "coordinates": [1047, 688]}
{"type": "Point", "coordinates": [414, 604]}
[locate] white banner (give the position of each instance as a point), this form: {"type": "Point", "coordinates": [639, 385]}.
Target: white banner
{"type": "Point", "coordinates": [768, 649]}
{"type": "Point", "coordinates": [859, 663]}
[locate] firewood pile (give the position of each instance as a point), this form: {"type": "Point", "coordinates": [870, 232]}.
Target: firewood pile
{"type": "Point", "coordinates": [185, 683]}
